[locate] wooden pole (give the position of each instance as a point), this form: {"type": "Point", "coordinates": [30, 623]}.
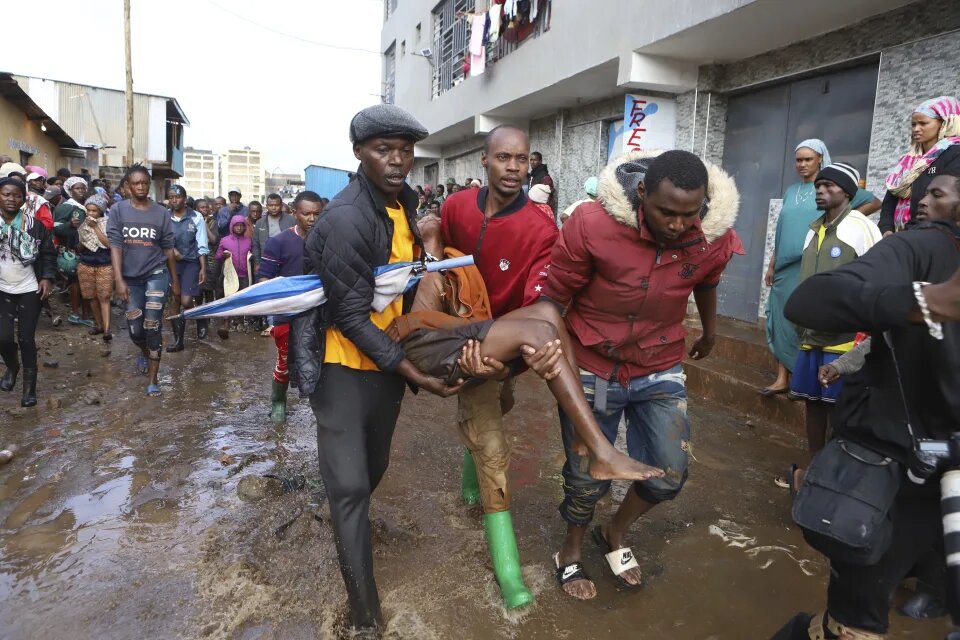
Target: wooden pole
{"type": "Point", "coordinates": [129, 88]}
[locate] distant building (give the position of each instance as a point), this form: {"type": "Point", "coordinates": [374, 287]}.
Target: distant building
{"type": "Point", "coordinates": [201, 173]}
{"type": "Point", "coordinates": [738, 82]}
{"type": "Point", "coordinates": [288, 185]}
{"type": "Point", "coordinates": [243, 169]}
{"type": "Point", "coordinates": [95, 118]}
{"type": "Point", "coordinates": [29, 135]}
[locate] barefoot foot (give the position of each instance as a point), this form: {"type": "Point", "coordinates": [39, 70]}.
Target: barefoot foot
{"type": "Point", "coordinates": [622, 467]}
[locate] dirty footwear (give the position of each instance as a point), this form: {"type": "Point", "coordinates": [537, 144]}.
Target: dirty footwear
{"type": "Point", "coordinates": [469, 486]}
{"type": "Point", "coordinates": [506, 559]}
{"type": "Point", "coordinates": [278, 400]}
{"type": "Point", "coordinates": [9, 380]}
{"type": "Point", "coordinates": [179, 326]}
{"type": "Point", "coordinates": [29, 398]}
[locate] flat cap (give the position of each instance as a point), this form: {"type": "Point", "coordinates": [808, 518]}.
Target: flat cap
{"type": "Point", "coordinates": [385, 121]}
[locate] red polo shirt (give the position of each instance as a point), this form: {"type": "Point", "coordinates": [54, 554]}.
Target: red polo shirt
{"type": "Point", "coordinates": [512, 248]}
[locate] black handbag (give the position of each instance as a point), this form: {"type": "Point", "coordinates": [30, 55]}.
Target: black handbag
{"type": "Point", "coordinates": [844, 505]}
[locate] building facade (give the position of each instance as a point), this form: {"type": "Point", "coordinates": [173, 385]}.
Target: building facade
{"type": "Point", "coordinates": [96, 118]}
{"type": "Point", "coordinates": [30, 136]}
{"type": "Point", "coordinates": [242, 169]}
{"type": "Point", "coordinates": [739, 82]}
{"type": "Point", "coordinates": [201, 173]}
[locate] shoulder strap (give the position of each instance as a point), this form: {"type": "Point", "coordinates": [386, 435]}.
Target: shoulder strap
{"type": "Point", "coordinates": [888, 338]}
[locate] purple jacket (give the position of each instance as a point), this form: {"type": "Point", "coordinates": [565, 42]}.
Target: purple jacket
{"type": "Point", "coordinates": [238, 246]}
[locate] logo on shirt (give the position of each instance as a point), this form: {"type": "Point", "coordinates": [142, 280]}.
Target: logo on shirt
{"type": "Point", "coordinates": [145, 233]}
{"type": "Point", "coordinates": [504, 264]}
{"type": "Point", "coordinates": [688, 269]}
{"type": "Point", "coordinates": [835, 252]}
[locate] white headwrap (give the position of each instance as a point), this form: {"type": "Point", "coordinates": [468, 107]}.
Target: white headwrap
{"type": "Point", "coordinates": [72, 181]}
{"type": "Point", "coordinates": [820, 147]}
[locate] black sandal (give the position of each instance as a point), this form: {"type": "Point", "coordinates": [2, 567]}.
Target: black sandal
{"type": "Point", "coordinates": [619, 560]}
{"type": "Point", "coordinates": [570, 572]}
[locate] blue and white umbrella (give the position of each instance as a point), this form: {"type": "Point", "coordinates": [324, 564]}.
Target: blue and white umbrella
{"type": "Point", "coordinates": [293, 295]}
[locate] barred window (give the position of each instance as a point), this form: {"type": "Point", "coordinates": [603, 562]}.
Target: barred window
{"type": "Point", "coordinates": [450, 39]}
{"type": "Point", "coordinates": [390, 74]}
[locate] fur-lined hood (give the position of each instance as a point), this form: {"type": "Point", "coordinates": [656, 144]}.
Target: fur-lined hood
{"type": "Point", "coordinates": [721, 191]}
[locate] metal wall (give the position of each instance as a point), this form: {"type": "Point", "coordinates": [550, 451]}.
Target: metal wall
{"type": "Point", "coordinates": [325, 181]}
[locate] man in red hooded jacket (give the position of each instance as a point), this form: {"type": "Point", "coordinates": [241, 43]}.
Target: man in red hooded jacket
{"type": "Point", "coordinates": [623, 270]}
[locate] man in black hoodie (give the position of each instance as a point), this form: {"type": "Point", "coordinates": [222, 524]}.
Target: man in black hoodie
{"type": "Point", "coordinates": [886, 292]}
{"type": "Point", "coordinates": [539, 174]}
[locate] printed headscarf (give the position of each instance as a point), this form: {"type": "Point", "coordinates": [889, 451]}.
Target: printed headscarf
{"type": "Point", "coordinates": [915, 162]}
{"type": "Point", "coordinates": [88, 237]}
{"type": "Point", "coordinates": [820, 147]}
{"type": "Point", "coordinates": [71, 182]}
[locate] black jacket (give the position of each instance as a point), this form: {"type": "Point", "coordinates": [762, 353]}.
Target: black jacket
{"type": "Point", "coordinates": [948, 160]}
{"type": "Point", "coordinates": [350, 239]}
{"type": "Point", "coordinates": [875, 294]}
{"type": "Point", "coordinates": [45, 262]}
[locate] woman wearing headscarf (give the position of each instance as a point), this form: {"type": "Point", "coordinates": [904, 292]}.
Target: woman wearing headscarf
{"type": "Point", "coordinates": [934, 147]}
{"type": "Point", "coordinates": [28, 265]}
{"type": "Point", "coordinates": [798, 212]}
{"type": "Point", "coordinates": [95, 270]}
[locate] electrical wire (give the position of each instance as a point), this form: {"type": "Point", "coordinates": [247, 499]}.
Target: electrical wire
{"type": "Point", "coordinates": [290, 35]}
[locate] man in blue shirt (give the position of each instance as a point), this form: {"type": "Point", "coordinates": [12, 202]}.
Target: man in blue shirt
{"type": "Point", "coordinates": [226, 212]}
{"type": "Point", "coordinates": [283, 256]}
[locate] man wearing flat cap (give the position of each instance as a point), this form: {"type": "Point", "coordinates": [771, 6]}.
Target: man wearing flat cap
{"type": "Point", "coordinates": [342, 359]}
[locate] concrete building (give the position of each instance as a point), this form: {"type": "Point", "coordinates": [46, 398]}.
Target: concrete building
{"type": "Point", "coordinates": [738, 82]}
{"type": "Point", "coordinates": [287, 185]}
{"type": "Point", "coordinates": [30, 136]}
{"type": "Point", "coordinates": [201, 173]}
{"type": "Point", "coordinates": [96, 118]}
{"type": "Point", "coordinates": [243, 169]}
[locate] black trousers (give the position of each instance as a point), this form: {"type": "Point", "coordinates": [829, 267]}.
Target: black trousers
{"type": "Point", "coordinates": [24, 307]}
{"type": "Point", "coordinates": [356, 414]}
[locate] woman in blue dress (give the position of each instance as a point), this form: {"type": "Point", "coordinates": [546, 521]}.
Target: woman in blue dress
{"type": "Point", "coordinates": [797, 214]}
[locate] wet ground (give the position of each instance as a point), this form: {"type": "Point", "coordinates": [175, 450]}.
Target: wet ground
{"type": "Point", "coordinates": [120, 517]}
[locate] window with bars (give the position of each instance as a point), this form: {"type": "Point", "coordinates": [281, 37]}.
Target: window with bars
{"type": "Point", "coordinates": [390, 74]}
{"type": "Point", "coordinates": [389, 8]}
{"type": "Point", "coordinates": [450, 39]}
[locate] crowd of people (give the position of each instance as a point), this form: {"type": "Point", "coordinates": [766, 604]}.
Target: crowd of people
{"type": "Point", "coordinates": [864, 327]}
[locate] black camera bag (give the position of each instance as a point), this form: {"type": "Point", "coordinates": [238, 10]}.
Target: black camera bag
{"type": "Point", "coordinates": [843, 506]}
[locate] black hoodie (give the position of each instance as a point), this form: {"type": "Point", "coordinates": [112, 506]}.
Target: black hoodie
{"type": "Point", "coordinates": [875, 294]}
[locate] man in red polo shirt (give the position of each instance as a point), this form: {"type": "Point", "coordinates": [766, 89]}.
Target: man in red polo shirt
{"type": "Point", "coordinates": [511, 241]}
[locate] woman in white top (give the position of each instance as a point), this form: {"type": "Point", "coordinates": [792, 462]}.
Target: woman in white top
{"type": "Point", "coordinates": [28, 265]}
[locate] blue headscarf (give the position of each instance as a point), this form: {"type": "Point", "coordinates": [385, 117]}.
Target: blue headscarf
{"type": "Point", "coordinates": [820, 147]}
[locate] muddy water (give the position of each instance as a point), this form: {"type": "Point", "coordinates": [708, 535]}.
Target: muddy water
{"type": "Point", "coordinates": [121, 519]}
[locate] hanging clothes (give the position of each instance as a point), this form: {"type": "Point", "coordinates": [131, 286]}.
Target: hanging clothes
{"type": "Point", "coordinates": [534, 7]}
{"type": "Point", "coordinates": [494, 14]}
{"type": "Point", "coordinates": [510, 9]}
{"type": "Point", "coordinates": [476, 34]}
{"type": "Point", "coordinates": [478, 63]}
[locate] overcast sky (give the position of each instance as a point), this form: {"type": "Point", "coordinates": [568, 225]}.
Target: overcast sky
{"type": "Point", "coordinates": [239, 81]}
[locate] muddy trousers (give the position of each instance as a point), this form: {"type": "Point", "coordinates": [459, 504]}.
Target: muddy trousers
{"type": "Point", "coordinates": [26, 308]}
{"type": "Point", "coordinates": [480, 418]}
{"type": "Point", "coordinates": [145, 310]}
{"type": "Point", "coordinates": [356, 414]}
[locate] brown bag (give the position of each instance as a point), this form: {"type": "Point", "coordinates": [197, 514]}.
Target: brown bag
{"type": "Point", "coordinates": [464, 291]}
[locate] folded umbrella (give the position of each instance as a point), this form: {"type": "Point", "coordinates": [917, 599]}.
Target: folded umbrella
{"type": "Point", "coordinates": [296, 294]}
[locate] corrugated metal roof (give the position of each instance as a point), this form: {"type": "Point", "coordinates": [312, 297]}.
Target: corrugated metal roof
{"type": "Point", "coordinates": [12, 91]}
{"type": "Point", "coordinates": [325, 181]}
{"type": "Point", "coordinates": [95, 116]}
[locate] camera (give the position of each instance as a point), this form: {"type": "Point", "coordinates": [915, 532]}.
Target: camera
{"type": "Point", "coordinates": [926, 459]}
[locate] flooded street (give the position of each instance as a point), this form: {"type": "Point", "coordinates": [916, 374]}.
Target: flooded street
{"type": "Point", "coordinates": [120, 517]}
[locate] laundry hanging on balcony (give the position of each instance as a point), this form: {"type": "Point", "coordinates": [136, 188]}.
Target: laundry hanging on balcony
{"type": "Point", "coordinates": [477, 50]}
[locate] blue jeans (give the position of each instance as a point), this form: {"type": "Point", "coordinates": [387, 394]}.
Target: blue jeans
{"type": "Point", "coordinates": [657, 434]}
{"type": "Point", "coordinates": [145, 310]}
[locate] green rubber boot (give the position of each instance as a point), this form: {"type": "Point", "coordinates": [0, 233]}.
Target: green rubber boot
{"type": "Point", "coordinates": [506, 559]}
{"type": "Point", "coordinates": [469, 486]}
{"type": "Point", "coordinates": [278, 412]}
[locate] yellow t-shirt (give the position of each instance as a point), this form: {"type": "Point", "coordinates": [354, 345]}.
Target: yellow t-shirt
{"type": "Point", "coordinates": [342, 351]}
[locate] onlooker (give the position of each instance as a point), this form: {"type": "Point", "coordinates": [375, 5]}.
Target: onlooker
{"type": "Point", "coordinates": [254, 214]}
{"type": "Point", "coordinates": [283, 256]}
{"type": "Point", "coordinates": [934, 146]}
{"type": "Point", "coordinates": [28, 265]}
{"type": "Point", "coordinates": [270, 225]}
{"type": "Point", "coordinates": [798, 212]}
{"type": "Point", "coordinates": [212, 286]}
{"type": "Point", "coordinates": [95, 271]}
{"type": "Point", "coordinates": [67, 218]}
{"type": "Point", "coordinates": [539, 174]}
{"type": "Point", "coordinates": [190, 249]}
{"type": "Point", "coordinates": [540, 195]}
{"type": "Point", "coordinates": [144, 268]}
{"type": "Point", "coordinates": [236, 247]}
{"type": "Point", "coordinates": [839, 236]}
{"type": "Point", "coordinates": [226, 212]}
